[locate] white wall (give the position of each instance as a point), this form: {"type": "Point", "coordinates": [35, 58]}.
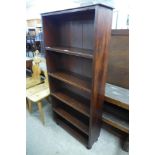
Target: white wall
{"type": "Point", "coordinates": [35, 7]}
{"type": "Point", "coordinates": [120, 14]}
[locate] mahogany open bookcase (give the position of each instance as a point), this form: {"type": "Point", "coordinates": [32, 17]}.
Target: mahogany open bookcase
{"type": "Point", "coordinates": [77, 43]}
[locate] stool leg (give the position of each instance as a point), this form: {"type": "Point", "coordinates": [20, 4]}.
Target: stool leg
{"type": "Point", "coordinates": [48, 99]}
{"type": "Point", "coordinates": [29, 105]}
{"type": "Point", "coordinates": [41, 111]}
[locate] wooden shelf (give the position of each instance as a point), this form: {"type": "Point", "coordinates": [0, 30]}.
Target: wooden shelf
{"type": "Point", "coordinates": [75, 80]}
{"type": "Point", "coordinates": [77, 123]}
{"type": "Point", "coordinates": [72, 130]}
{"type": "Point", "coordinates": [76, 102]}
{"type": "Point", "coordinates": [115, 121]}
{"type": "Point", "coordinates": [117, 96]}
{"type": "Point", "coordinates": [76, 57]}
{"type": "Point", "coordinates": [72, 51]}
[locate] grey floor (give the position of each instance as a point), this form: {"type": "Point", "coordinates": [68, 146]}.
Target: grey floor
{"type": "Point", "coordinates": [51, 139]}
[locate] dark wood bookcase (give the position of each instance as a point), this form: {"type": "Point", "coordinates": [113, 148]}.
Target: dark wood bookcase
{"type": "Point", "coordinates": [77, 43]}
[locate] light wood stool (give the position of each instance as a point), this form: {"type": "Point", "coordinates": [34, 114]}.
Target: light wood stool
{"type": "Point", "coordinates": [35, 95]}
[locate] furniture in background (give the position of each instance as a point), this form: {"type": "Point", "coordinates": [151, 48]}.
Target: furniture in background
{"type": "Point", "coordinates": [38, 45]}
{"type": "Point", "coordinates": [116, 101]}
{"type": "Point", "coordinates": [39, 41]}
{"type": "Point", "coordinates": [29, 65]}
{"type": "Point", "coordinates": [76, 43]}
{"type": "Point", "coordinates": [118, 65]}
{"type": "Point", "coordinates": [30, 41]}
{"type": "Point", "coordinates": [36, 94]}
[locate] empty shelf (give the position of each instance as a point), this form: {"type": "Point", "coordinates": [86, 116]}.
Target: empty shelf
{"type": "Point", "coordinates": [73, 130]}
{"type": "Point", "coordinates": [115, 121]}
{"type": "Point", "coordinates": [75, 101]}
{"type": "Point", "coordinates": [75, 80]}
{"type": "Point", "coordinates": [72, 51]}
{"type": "Point", "coordinates": [77, 123]}
{"type": "Point", "coordinates": [117, 95]}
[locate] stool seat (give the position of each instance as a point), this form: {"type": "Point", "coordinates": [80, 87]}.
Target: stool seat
{"type": "Point", "coordinates": [37, 94]}
{"type": "Point", "coordinates": [31, 82]}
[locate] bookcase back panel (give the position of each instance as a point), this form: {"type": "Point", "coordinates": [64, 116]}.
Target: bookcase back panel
{"type": "Point", "coordinates": [57, 85]}
{"type": "Point", "coordinates": [70, 34]}
{"type": "Point", "coordinates": [76, 34]}
{"type": "Point", "coordinates": [88, 34]}
{"type": "Point", "coordinates": [77, 65]}
{"type": "Point", "coordinates": [52, 61]}
{"type": "Point", "coordinates": [78, 92]}
{"type": "Point", "coordinates": [73, 64]}
{"type": "Point", "coordinates": [72, 129]}
{"type": "Point", "coordinates": [70, 110]}
{"type": "Point", "coordinates": [76, 30]}
{"type": "Point", "coordinates": [50, 32]}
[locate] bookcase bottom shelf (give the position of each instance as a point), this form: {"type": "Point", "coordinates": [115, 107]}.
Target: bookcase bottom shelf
{"type": "Point", "coordinates": [76, 133]}
{"type": "Point", "coordinates": [74, 121]}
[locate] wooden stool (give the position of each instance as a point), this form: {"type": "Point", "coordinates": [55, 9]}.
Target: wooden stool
{"type": "Point", "coordinates": [37, 94]}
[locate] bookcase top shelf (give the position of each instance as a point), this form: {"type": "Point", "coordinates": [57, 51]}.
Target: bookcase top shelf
{"type": "Point", "coordinates": [86, 53]}
{"type": "Point", "coordinates": [72, 10]}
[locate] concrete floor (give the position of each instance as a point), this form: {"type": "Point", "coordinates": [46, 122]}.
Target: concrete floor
{"type": "Point", "coordinates": [51, 139]}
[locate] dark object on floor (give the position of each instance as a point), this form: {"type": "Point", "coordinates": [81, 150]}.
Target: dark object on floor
{"type": "Point", "coordinates": [125, 145]}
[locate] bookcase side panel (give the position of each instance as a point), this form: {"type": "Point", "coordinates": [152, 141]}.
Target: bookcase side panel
{"type": "Point", "coordinates": [103, 20]}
